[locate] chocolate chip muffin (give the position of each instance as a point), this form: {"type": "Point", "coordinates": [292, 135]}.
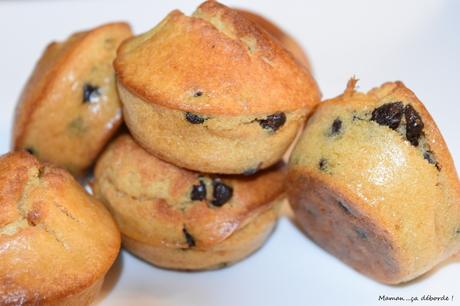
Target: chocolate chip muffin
{"type": "Point", "coordinates": [372, 182]}
{"type": "Point", "coordinates": [70, 108]}
{"type": "Point", "coordinates": [178, 219]}
{"type": "Point", "coordinates": [286, 40]}
{"type": "Point", "coordinates": [56, 242]}
{"type": "Point", "coordinates": [213, 92]}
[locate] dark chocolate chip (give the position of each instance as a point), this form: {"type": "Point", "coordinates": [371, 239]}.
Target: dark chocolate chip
{"type": "Point", "coordinates": [194, 118]}
{"type": "Point", "coordinates": [91, 93]}
{"type": "Point", "coordinates": [222, 193]}
{"type": "Point", "coordinates": [388, 114]}
{"type": "Point", "coordinates": [414, 124]}
{"type": "Point", "coordinates": [457, 231]}
{"type": "Point", "coordinates": [30, 150]}
{"type": "Point", "coordinates": [429, 156]}
{"type": "Point", "coordinates": [361, 233]}
{"type": "Point", "coordinates": [336, 127]}
{"type": "Point", "coordinates": [322, 164]}
{"type": "Point", "coordinates": [188, 238]}
{"type": "Point", "coordinates": [198, 94]}
{"type": "Point", "coordinates": [273, 122]}
{"type": "Point", "coordinates": [344, 207]}
{"type": "Point", "coordinates": [198, 192]}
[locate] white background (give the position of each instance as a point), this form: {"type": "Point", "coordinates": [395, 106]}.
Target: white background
{"type": "Point", "coordinates": [417, 42]}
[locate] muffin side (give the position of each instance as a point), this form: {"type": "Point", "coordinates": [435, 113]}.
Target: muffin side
{"type": "Point", "coordinates": [372, 181]}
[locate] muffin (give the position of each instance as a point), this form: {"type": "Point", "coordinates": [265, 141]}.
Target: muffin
{"type": "Point", "coordinates": [70, 108]}
{"type": "Point", "coordinates": [56, 242]}
{"type": "Point", "coordinates": [373, 183]}
{"type": "Point", "coordinates": [212, 92]}
{"type": "Point", "coordinates": [286, 40]}
{"type": "Point", "coordinates": [178, 219]}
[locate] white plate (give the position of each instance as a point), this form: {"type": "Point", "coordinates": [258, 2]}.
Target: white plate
{"type": "Point", "coordinates": [414, 41]}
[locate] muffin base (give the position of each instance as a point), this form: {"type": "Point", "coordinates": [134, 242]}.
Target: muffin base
{"type": "Point", "coordinates": [84, 297]}
{"type": "Point", "coordinates": [235, 248]}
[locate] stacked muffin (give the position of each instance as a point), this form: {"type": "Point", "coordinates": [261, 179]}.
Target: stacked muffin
{"type": "Point", "coordinates": [212, 103]}
{"type": "Point", "coordinates": [210, 100]}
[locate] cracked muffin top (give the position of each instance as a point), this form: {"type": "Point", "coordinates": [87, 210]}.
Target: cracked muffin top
{"type": "Point", "coordinates": [55, 239]}
{"type": "Point", "coordinates": [157, 202]}
{"type": "Point", "coordinates": [286, 40]}
{"type": "Point", "coordinates": [214, 62]}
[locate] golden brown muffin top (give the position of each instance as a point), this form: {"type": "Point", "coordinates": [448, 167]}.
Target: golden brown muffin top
{"type": "Point", "coordinates": [55, 240]}
{"type": "Point", "coordinates": [383, 152]}
{"type": "Point", "coordinates": [286, 40]}
{"type": "Point", "coordinates": [158, 203]}
{"type": "Point", "coordinates": [215, 62]}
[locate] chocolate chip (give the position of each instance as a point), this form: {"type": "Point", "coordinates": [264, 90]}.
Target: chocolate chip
{"type": "Point", "coordinates": [344, 207]}
{"type": "Point", "coordinates": [457, 231]}
{"type": "Point", "coordinates": [361, 233]}
{"type": "Point", "coordinates": [336, 127]}
{"type": "Point", "coordinates": [30, 150]}
{"type": "Point", "coordinates": [322, 164]}
{"type": "Point", "coordinates": [388, 114]}
{"type": "Point", "coordinates": [188, 238]}
{"type": "Point", "coordinates": [198, 94]}
{"type": "Point", "coordinates": [222, 193]}
{"type": "Point", "coordinates": [429, 156]}
{"type": "Point", "coordinates": [193, 118]}
{"type": "Point", "coordinates": [91, 93]}
{"type": "Point", "coordinates": [198, 192]}
{"type": "Point", "coordinates": [414, 124]}
{"type": "Point", "coordinates": [273, 122]}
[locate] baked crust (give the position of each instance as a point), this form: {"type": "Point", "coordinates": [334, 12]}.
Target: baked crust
{"type": "Point", "coordinates": [369, 196]}
{"type": "Point", "coordinates": [236, 247]}
{"type": "Point", "coordinates": [138, 188]}
{"type": "Point", "coordinates": [215, 62]}
{"type": "Point", "coordinates": [286, 40]}
{"type": "Point", "coordinates": [56, 242]}
{"type": "Point", "coordinates": [52, 119]}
